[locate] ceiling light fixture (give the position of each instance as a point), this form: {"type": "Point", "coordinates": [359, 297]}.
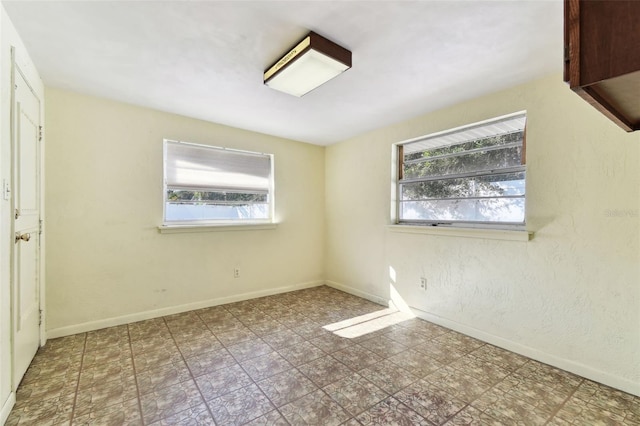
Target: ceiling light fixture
{"type": "Point", "coordinates": [311, 63]}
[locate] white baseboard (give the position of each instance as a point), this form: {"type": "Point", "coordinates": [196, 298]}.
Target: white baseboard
{"type": "Point", "coordinates": [141, 316]}
{"type": "Point", "coordinates": [373, 298]}
{"type": "Point", "coordinates": [6, 407]}
{"type": "Point", "coordinates": [544, 357]}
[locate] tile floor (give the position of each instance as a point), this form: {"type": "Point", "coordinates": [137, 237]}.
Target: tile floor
{"type": "Point", "coordinates": [269, 361]}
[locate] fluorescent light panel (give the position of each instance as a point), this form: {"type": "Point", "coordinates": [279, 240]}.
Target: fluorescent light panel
{"type": "Point", "coordinates": [311, 63]}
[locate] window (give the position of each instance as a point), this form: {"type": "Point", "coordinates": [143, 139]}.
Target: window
{"type": "Point", "coordinates": [210, 185]}
{"type": "Point", "coordinates": [473, 175]}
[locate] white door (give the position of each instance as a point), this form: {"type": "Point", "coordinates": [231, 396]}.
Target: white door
{"type": "Point", "coordinates": [26, 197]}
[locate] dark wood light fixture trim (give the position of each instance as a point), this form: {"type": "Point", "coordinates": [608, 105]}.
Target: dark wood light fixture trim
{"type": "Point", "coordinates": [310, 41]}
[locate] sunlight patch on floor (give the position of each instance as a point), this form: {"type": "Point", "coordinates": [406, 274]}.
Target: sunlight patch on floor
{"type": "Point", "coordinates": [397, 312]}
{"type": "Point", "coordinates": [369, 323]}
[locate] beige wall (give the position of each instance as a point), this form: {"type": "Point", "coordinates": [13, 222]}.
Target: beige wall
{"type": "Point", "coordinates": [569, 297]}
{"type": "Point", "coordinates": [107, 262]}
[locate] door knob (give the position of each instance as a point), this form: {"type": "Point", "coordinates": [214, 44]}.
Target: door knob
{"type": "Point", "coordinates": [23, 237]}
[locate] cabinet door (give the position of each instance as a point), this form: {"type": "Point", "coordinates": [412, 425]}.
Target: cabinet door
{"type": "Point", "coordinates": [602, 58]}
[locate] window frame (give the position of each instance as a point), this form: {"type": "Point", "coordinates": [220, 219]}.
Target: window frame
{"type": "Point", "coordinates": [216, 223]}
{"type": "Point", "coordinates": [397, 175]}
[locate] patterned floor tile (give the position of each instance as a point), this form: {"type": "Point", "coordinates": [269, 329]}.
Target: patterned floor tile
{"type": "Point", "coordinates": [283, 339]}
{"type": "Point", "coordinates": [391, 412]}
{"type": "Point", "coordinates": [368, 335]}
{"type": "Point", "coordinates": [265, 366]}
{"type": "Point", "coordinates": [543, 398]}
{"type": "Point", "coordinates": [275, 361]}
{"type": "Point", "coordinates": [549, 376]}
{"type": "Point", "coordinates": [355, 393]}
{"type": "Point", "coordinates": [103, 395]}
{"type": "Point", "coordinates": [113, 336]}
{"type": "Point", "coordinates": [310, 331]}
{"type": "Point", "coordinates": [242, 308]}
{"type": "Point", "coordinates": [272, 418]}
{"type": "Point", "coordinates": [501, 357]}
{"type": "Point", "coordinates": [325, 370]}
{"type": "Point", "coordinates": [153, 359]}
{"type": "Point", "coordinates": [214, 313]}
{"type": "Point", "coordinates": [331, 343]}
{"type": "Point", "coordinates": [458, 384]}
{"type": "Point", "coordinates": [183, 320]}
{"type": "Point", "coordinates": [441, 352]}
{"type": "Point", "coordinates": [221, 381]}
{"type": "Point", "coordinates": [55, 370]}
{"type": "Point", "coordinates": [103, 373]}
{"type": "Point", "coordinates": [198, 415]}
{"type": "Point", "coordinates": [594, 403]}
{"type": "Point", "coordinates": [55, 387]}
{"type": "Point", "coordinates": [417, 363]}
{"type": "Point", "coordinates": [356, 357]}
{"type": "Point", "coordinates": [125, 413]}
{"type": "Point", "coordinates": [233, 337]}
{"type": "Point", "coordinates": [163, 376]}
{"type": "Point", "coordinates": [224, 324]}
{"type": "Point", "coordinates": [608, 398]}
{"type": "Point", "coordinates": [263, 328]}
{"type": "Point", "coordinates": [425, 328]}
{"type": "Point", "coordinates": [407, 337]}
{"type": "Point", "coordinates": [106, 355]}
{"type": "Point", "coordinates": [62, 348]}
{"type": "Point", "coordinates": [39, 411]}
{"type": "Point", "coordinates": [153, 328]}
{"type": "Point", "coordinates": [577, 412]}
{"type": "Point", "coordinates": [507, 408]}
{"type": "Point", "coordinates": [210, 361]}
{"type": "Point", "coordinates": [240, 406]}
{"type": "Point", "coordinates": [170, 401]}
{"type": "Point", "coordinates": [316, 408]}
{"type": "Point", "coordinates": [249, 349]}
{"type": "Point", "coordinates": [383, 346]}
{"type": "Point", "coordinates": [473, 417]}
{"type": "Point", "coordinates": [388, 376]}
{"type": "Point", "coordinates": [301, 353]}
{"type": "Point", "coordinates": [294, 319]}
{"type": "Point", "coordinates": [432, 403]}
{"type": "Point", "coordinates": [463, 343]}
{"type": "Point", "coordinates": [480, 369]}
{"type": "Point", "coordinates": [152, 344]}
{"type": "Point", "coordinates": [195, 347]}
{"type": "Point", "coordinates": [286, 387]}
{"type": "Point", "coordinates": [191, 333]}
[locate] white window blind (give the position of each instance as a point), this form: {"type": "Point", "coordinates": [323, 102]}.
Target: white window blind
{"type": "Point", "coordinates": [198, 167]}
{"type": "Point", "coordinates": [211, 185]}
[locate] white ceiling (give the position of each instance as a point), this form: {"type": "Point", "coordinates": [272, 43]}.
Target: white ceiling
{"type": "Point", "coordinates": [205, 59]}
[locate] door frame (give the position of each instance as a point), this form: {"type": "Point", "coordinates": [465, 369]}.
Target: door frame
{"type": "Point", "coordinates": [23, 66]}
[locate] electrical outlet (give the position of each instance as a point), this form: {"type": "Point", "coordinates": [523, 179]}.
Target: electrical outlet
{"type": "Point", "coordinates": [236, 273]}
{"type": "Point", "coordinates": [423, 283]}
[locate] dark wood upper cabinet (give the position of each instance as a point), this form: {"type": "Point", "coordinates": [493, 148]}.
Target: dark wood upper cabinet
{"type": "Point", "coordinates": [602, 56]}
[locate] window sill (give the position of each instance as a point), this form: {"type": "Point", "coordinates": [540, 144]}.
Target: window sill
{"type": "Point", "coordinates": [490, 234]}
{"type": "Point", "coordinates": [179, 229]}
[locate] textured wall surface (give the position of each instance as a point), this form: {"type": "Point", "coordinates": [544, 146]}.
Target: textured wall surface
{"type": "Point", "coordinates": [570, 296]}
{"type": "Point", "coordinates": [105, 256]}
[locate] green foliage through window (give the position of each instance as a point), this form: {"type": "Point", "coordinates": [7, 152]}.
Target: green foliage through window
{"type": "Point", "coordinates": [472, 175]}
